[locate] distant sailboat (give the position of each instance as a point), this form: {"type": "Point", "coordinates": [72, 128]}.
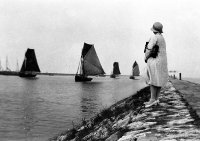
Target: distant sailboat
{"type": "Point", "coordinates": [135, 70]}
{"type": "Point", "coordinates": [30, 66]}
{"type": "Point", "coordinates": [7, 70]}
{"type": "Point", "coordinates": [89, 64]}
{"type": "Point", "coordinates": [116, 70]}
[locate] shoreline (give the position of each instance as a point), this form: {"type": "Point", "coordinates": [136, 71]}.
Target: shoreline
{"type": "Point", "coordinates": [190, 92]}
{"type": "Point", "coordinates": [129, 119]}
{"type": "Point", "coordinates": [113, 112]}
{"type": "Point", "coordinates": [15, 73]}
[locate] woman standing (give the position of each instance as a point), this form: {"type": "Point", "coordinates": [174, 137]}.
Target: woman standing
{"type": "Point", "coordinates": [157, 70]}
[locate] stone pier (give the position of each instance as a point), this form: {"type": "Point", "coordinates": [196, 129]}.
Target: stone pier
{"type": "Point", "coordinates": [174, 119]}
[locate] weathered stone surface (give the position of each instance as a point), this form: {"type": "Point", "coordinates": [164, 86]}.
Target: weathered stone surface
{"type": "Point", "coordinates": [114, 137]}
{"type": "Point", "coordinates": [122, 122]}
{"type": "Point", "coordinates": [134, 132]}
{"type": "Point", "coordinates": [148, 138]}
{"type": "Point", "coordinates": [168, 140]}
{"type": "Point", "coordinates": [190, 92]}
{"type": "Point", "coordinates": [102, 132]}
{"type": "Point", "coordinates": [171, 120]}
{"type": "Point", "coordinates": [62, 138]}
{"type": "Point", "coordinates": [139, 117]}
{"type": "Point", "coordinates": [157, 113]}
{"type": "Point", "coordinates": [129, 137]}
{"type": "Point", "coordinates": [136, 125]}
{"type": "Point", "coordinates": [180, 121]}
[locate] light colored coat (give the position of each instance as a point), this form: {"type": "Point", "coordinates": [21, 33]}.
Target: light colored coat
{"type": "Point", "coordinates": [157, 70]}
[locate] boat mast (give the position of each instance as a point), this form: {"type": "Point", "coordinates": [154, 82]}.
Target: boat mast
{"type": "Point", "coordinates": [25, 62]}
{"type": "Point", "coordinates": [7, 68]}
{"type": "Point", "coordinates": [82, 66]}
{"type": "Point", "coordinates": [17, 66]}
{"type": "Point", "coordinates": [79, 67]}
{"type": "Point", "coordinates": [133, 70]}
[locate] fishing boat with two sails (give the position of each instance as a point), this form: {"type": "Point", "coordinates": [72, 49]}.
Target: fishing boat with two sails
{"type": "Point", "coordinates": [135, 70]}
{"type": "Point", "coordinates": [116, 72]}
{"type": "Point", "coordinates": [89, 64]}
{"type": "Point", "coordinates": [30, 66]}
{"type": "Point", "coordinates": [7, 70]}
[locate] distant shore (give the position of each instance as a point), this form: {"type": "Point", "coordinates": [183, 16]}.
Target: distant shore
{"type": "Point", "coordinates": [52, 74]}
{"type": "Point", "coordinates": [15, 73]}
{"type": "Point", "coordinates": [128, 119]}
{"type": "Point", "coordinates": [12, 73]}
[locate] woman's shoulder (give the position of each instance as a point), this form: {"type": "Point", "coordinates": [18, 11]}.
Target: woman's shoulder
{"type": "Point", "coordinates": [158, 36]}
{"type": "Point", "coordinates": [154, 37]}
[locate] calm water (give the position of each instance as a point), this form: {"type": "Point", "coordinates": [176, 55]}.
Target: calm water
{"type": "Point", "coordinates": [37, 109]}
{"type": "Point", "coordinates": [195, 80]}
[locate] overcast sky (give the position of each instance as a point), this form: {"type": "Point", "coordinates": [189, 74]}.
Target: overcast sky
{"type": "Point", "coordinates": [57, 29]}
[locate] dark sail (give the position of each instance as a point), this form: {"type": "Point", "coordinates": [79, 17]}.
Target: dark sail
{"type": "Point", "coordinates": [86, 48]}
{"type": "Point", "coordinates": [89, 64]}
{"type": "Point", "coordinates": [135, 64]}
{"type": "Point", "coordinates": [135, 69]}
{"type": "Point", "coordinates": [116, 68]}
{"type": "Point", "coordinates": [30, 62]}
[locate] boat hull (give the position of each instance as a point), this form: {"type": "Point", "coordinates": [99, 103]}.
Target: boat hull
{"type": "Point", "coordinates": [132, 77]}
{"type": "Point", "coordinates": [81, 78]}
{"type": "Point", "coordinates": [14, 73]}
{"type": "Point", "coordinates": [27, 74]}
{"type": "Point", "coordinates": [112, 76]}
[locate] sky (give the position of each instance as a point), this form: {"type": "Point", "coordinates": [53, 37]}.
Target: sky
{"type": "Point", "coordinates": [57, 30]}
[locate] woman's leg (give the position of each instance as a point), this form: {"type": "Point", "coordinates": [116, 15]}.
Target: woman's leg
{"type": "Point", "coordinates": [158, 92]}
{"type": "Point", "coordinates": [152, 100]}
{"type": "Point", "coordinates": [153, 92]}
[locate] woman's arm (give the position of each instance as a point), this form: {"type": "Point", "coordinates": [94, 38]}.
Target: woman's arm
{"type": "Point", "coordinates": [152, 42]}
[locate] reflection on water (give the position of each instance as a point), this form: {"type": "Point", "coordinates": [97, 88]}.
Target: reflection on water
{"type": "Point", "coordinates": [29, 105]}
{"type": "Point", "coordinates": [37, 109]}
{"type": "Point", "coordinates": [89, 102]}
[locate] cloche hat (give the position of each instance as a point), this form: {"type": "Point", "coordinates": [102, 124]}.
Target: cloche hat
{"type": "Point", "coordinates": [157, 27]}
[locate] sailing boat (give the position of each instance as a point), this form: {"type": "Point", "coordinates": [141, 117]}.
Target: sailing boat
{"type": "Point", "coordinates": [7, 70]}
{"type": "Point", "coordinates": [7, 64]}
{"type": "Point", "coordinates": [135, 71]}
{"type": "Point", "coordinates": [116, 70]}
{"type": "Point", "coordinates": [30, 66]}
{"type": "Point", "coordinates": [89, 64]}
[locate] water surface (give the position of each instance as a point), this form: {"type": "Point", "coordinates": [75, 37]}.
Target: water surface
{"type": "Point", "coordinates": [194, 80]}
{"type": "Point", "coordinates": [37, 109]}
